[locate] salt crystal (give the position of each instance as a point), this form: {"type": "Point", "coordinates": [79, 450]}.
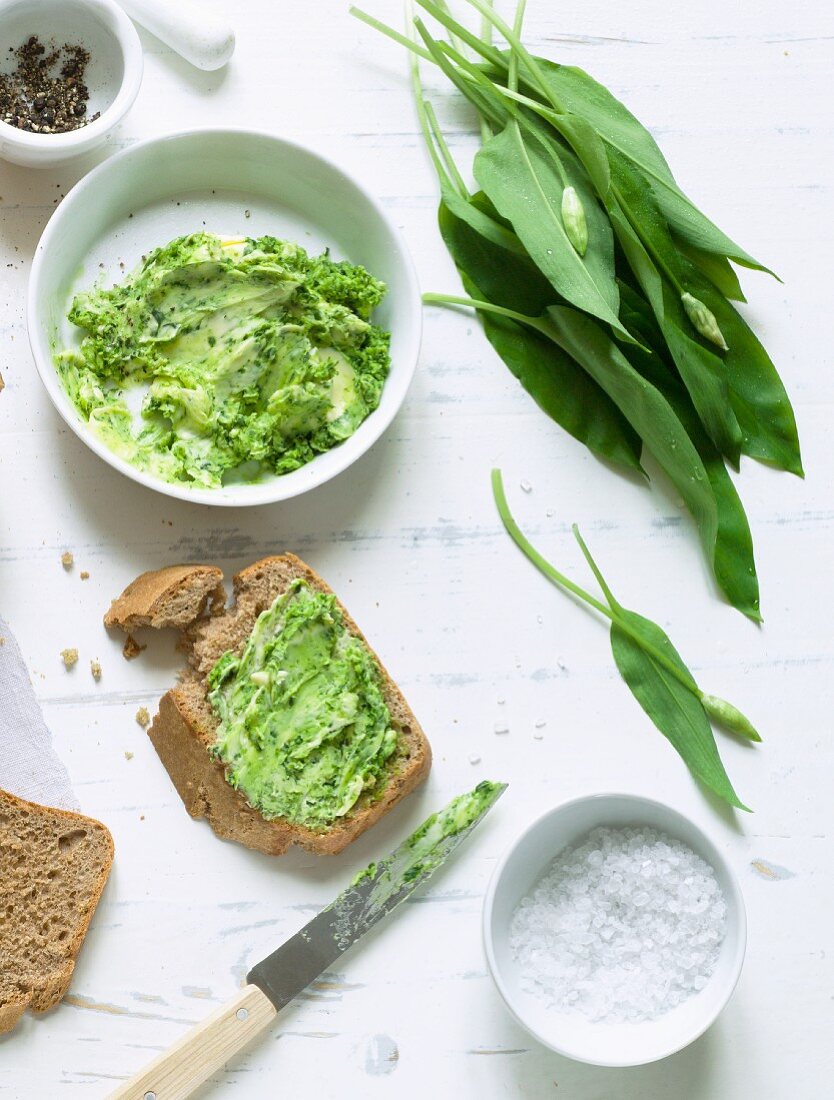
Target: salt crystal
{"type": "Point", "coordinates": [624, 926]}
{"type": "Point", "coordinates": [474, 758]}
{"type": "Point", "coordinates": [540, 723]}
{"type": "Point", "coordinates": [501, 727]}
{"type": "Point", "coordinates": [526, 487]}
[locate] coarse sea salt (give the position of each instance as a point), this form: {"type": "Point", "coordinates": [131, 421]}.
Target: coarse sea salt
{"type": "Point", "coordinates": [622, 927]}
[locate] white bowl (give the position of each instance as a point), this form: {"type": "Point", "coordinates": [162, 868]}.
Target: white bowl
{"type": "Point", "coordinates": [525, 862]}
{"type": "Point", "coordinates": [113, 74]}
{"type": "Point", "coordinates": [229, 182]}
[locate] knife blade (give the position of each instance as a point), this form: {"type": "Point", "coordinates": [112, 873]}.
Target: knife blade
{"type": "Point", "coordinates": [371, 896]}
{"type": "Point", "coordinates": [281, 976]}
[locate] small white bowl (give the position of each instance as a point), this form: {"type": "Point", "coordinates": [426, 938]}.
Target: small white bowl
{"type": "Point", "coordinates": [522, 866]}
{"type": "Point", "coordinates": [113, 74]}
{"type": "Point", "coordinates": [229, 182]}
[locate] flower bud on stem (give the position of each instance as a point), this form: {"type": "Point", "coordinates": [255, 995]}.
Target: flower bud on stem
{"type": "Point", "coordinates": [725, 714]}
{"type": "Point", "coordinates": [573, 219]}
{"type": "Point", "coordinates": [703, 320]}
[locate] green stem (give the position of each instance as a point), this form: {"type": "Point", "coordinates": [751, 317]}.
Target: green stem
{"type": "Point", "coordinates": [544, 566]}
{"type": "Point", "coordinates": [420, 100]}
{"type": "Point", "coordinates": [471, 74]}
{"type": "Point", "coordinates": [440, 55]}
{"type": "Point", "coordinates": [445, 152]}
{"type": "Point", "coordinates": [431, 299]}
{"type": "Point", "coordinates": [512, 75]}
{"type": "Point", "coordinates": [454, 38]}
{"type": "Point", "coordinates": [482, 48]}
{"type": "Point", "coordinates": [486, 37]}
{"type": "Point", "coordinates": [614, 613]}
{"type": "Point", "coordinates": [517, 47]}
{"type": "Point", "coordinates": [609, 595]}
{"type": "Point", "coordinates": [389, 32]}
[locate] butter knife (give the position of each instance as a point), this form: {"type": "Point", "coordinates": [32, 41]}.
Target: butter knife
{"type": "Point", "coordinates": [281, 976]}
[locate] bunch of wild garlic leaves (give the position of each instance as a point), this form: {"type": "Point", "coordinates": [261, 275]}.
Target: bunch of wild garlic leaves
{"type": "Point", "coordinates": [603, 288]}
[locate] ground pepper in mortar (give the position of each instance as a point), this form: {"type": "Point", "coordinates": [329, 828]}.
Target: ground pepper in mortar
{"type": "Point", "coordinates": [46, 93]}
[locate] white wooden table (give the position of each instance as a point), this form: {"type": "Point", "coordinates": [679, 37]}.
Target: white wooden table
{"type": "Point", "coordinates": [739, 96]}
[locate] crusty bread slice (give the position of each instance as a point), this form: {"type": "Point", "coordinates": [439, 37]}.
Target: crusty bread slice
{"type": "Point", "coordinates": [184, 729]}
{"type": "Point", "coordinates": [176, 596]}
{"type": "Point", "coordinates": [53, 867]}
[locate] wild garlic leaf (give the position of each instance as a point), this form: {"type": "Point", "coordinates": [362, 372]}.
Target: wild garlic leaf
{"type": "Point", "coordinates": [617, 126]}
{"type": "Point", "coordinates": [757, 393]}
{"type": "Point", "coordinates": [733, 562]}
{"type": "Point", "coordinates": [645, 408]}
{"type": "Point", "coordinates": [717, 269]}
{"type": "Point", "coordinates": [674, 709]}
{"type": "Point", "coordinates": [562, 389]}
{"type": "Point", "coordinates": [505, 275]}
{"type": "Point", "coordinates": [588, 146]}
{"type": "Point", "coordinates": [654, 259]}
{"type": "Point", "coordinates": [555, 382]}
{"type": "Point", "coordinates": [520, 175]}
{"type": "Point", "coordinates": [650, 666]}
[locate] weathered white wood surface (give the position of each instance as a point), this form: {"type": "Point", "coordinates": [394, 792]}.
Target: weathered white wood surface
{"type": "Point", "coordinates": [740, 96]}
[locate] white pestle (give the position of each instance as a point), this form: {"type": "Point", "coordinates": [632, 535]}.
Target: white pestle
{"type": "Point", "coordinates": [202, 37]}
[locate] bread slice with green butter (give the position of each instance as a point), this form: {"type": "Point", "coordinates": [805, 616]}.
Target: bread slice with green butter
{"type": "Point", "coordinates": [53, 867]}
{"type": "Point", "coordinates": [185, 728]}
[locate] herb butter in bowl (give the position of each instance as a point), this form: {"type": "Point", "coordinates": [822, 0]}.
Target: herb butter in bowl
{"type": "Point", "coordinates": [241, 333]}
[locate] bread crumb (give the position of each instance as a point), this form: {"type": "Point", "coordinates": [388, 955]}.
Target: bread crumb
{"type": "Point", "coordinates": [131, 648]}
{"type": "Point", "coordinates": [85, 576]}
{"type": "Point", "coordinates": [95, 668]}
{"type": "Point", "coordinates": [2, 640]}
{"type": "Point", "coordinates": [143, 717]}
{"type": "Point", "coordinates": [128, 754]}
{"type": "Point", "coordinates": [67, 559]}
{"type": "Point", "coordinates": [69, 657]}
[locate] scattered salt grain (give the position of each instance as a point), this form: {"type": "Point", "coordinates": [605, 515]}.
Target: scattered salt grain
{"type": "Point", "coordinates": [621, 928]}
{"type": "Point", "coordinates": [526, 487]}
{"type": "Point", "coordinates": [501, 727]}
{"type": "Point", "coordinates": [540, 723]}
{"type": "Point", "coordinates": [538, 736]}
{"type": "Point", "coordinates": [474, 758]}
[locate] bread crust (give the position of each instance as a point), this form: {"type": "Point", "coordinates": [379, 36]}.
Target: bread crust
{"type": "Point", "coordinates": [41, 881]}
{"type": "Point", "coordinates": [184, 728]}
{"type": "Point", "coordinates": [175, 596]}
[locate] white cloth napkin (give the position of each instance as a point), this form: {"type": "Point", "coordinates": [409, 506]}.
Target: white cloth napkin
{"type": "Point", "coordinates": [29, 766]}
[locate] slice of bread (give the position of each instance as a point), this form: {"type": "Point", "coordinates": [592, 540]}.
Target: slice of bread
{"type": "Point", "coordinates": [184, 729]}
{"type": "Point", "coordinates": [176, 596]}
{"type": "Point", "coordinates": [53, 867]}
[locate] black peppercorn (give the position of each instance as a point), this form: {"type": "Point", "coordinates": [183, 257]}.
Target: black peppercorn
{"type": "Point", "coordinates": [34, 98]}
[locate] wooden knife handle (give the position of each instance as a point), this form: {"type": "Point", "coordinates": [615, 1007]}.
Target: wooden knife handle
{"type": "Point", "coordinates": [203, 1050]}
